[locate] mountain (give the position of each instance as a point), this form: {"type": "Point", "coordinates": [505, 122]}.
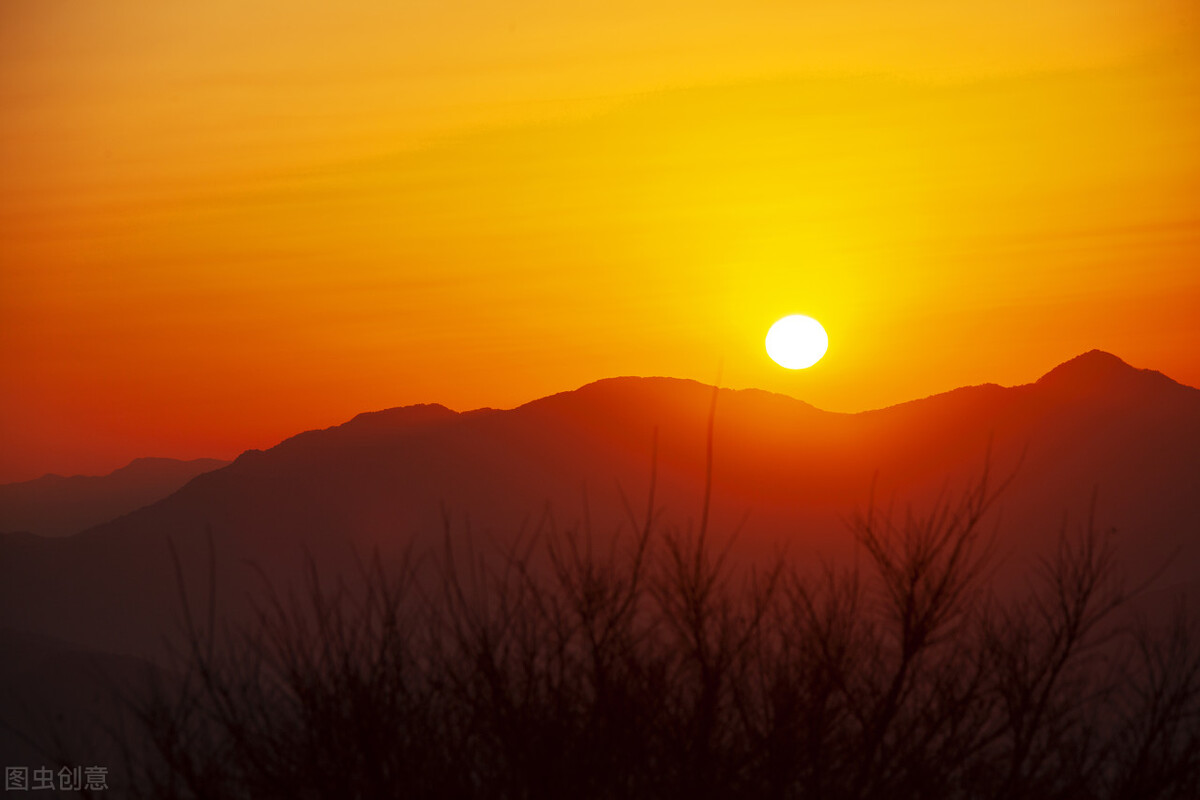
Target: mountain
{"type": "Point", "coordinates": [784, 474]}
{"type": "Point", "coordinates": [53, 505]}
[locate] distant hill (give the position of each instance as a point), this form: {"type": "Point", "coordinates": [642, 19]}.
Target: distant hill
{"type": "Point", "coordinates": [785, 474]}
{"type": "Point", "coordinates": [56, 506]}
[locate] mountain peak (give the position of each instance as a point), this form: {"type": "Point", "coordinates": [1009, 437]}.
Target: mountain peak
{"type": "Point", "coordinates": [1092, 364]}
{"type": "Point", "coordinates": [387, 421]}
{"type": "Point", "coordinates": [1097, 370]}
{"type": "Point", "coordinates": [400, 416]}
{"type": "Point", "coordinates": [664, 393]}
{"type": "Point", "coordinates": [151, 464]}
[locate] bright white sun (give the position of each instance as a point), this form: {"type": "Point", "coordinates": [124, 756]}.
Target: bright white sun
{"type": "Point", "coordinates": [797, 342]}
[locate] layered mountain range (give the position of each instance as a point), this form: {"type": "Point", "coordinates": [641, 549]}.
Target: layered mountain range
{"type": "Point", "coordinates": [1094, 441]}
{"type": "Point", "coordinates": [55, 505]}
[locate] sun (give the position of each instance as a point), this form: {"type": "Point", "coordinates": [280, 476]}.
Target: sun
{"type": "Point", "coordinates": [797, 342]}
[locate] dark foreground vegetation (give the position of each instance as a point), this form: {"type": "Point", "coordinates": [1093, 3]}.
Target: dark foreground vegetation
{"type": "Point", "coordinates": [655, 668]}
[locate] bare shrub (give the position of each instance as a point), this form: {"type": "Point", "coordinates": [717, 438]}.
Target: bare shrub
{"type": "Point", "coordinates": [651, 665]}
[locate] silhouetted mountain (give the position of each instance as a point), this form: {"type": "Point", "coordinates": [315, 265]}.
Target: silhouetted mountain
{"type": "Point", "coordinates": [56, 506]}
{"type": "Point", "coordinates": [1098, 371]}
{"type": "Point", "coordinates": [791, 473]}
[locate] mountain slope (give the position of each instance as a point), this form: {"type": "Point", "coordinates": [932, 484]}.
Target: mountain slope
{"type": "Point", "coordinates": [56, 506]}
{"type": "Point", "coordinates": [792, 473]}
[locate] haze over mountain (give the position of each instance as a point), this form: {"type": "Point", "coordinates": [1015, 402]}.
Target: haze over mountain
{"type": "Point", "coordinates": [784, 474]}
{"type": "Point", "coordinates": [53, 505]}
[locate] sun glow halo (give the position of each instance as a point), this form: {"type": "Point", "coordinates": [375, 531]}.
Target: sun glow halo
{"type": "Point", "coordinates": [797, 342]}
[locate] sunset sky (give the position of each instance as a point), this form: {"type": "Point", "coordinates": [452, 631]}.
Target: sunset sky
{"type": "Point", "coordinates": [222, 223]}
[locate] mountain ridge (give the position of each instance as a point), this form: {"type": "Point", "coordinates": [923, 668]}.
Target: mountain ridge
{"type": "Point", "coordinates": [410, 477]}
{"type": "Point", "coordinates": [139, 465]}
{"type": "Point", "coordinates": [1081, 368]}
{"type": "Point", "coordinates": [56, 505]}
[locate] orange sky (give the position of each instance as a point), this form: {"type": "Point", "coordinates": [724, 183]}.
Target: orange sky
{"type": "Point", "coordinates": [220, 225]}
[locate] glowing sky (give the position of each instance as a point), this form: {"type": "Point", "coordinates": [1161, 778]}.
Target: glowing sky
{"type": "Point", "coordinates": [222, 223]}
